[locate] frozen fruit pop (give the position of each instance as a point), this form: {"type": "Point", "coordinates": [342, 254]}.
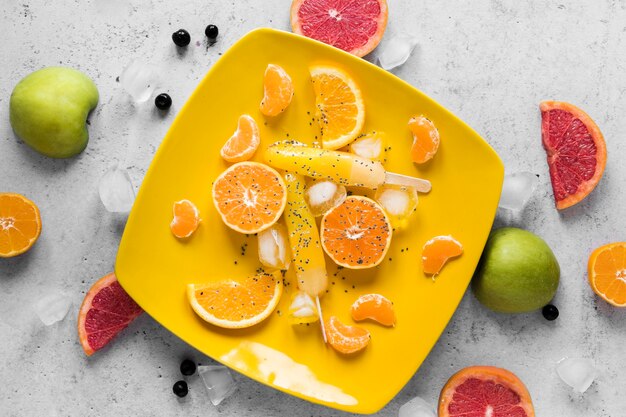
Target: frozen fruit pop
{"type": "Point", "coordinates": [342, 167]}
{"type": "Point", "coordinates": [304, 239]}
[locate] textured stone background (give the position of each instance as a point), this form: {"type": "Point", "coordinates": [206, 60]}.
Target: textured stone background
{"type": "Point", "coordinates": [489, 61]}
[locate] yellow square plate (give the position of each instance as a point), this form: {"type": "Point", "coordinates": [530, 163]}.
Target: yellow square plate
{"type": "Point", "coordinates": [155, 268]}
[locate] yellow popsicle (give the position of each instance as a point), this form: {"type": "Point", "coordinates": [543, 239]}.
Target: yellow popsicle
{"type": "Point", "coordinates": [304, 239]}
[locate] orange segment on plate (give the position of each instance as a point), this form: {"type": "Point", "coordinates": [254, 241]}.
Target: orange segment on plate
{"type": "Point", "coordinates": [356, 234]}
{"type": "Point", "coordinates": [340, 109]}
{"type": "Point", "coordinates": [607, 273]}
{"type": "Point", "coordinates": [345, 339]}
{"type": "Point", "coordinates": [244, 142]}
{"type": "Point", "coordinates": [20, 224]}
{"type": "Point", "coordinates": [437, 251]}
{"type": "Point", "coordinates": [236, 304]}
{"type": "Point", "coordinates": [485, 391]}
{"type": "Point", "coordinates": [375, 307]}
{"type": "Point", "coordinates": [277, 90]}
{"type": "Point", "coordinates": [425, 139]}
{"type": "Point", "coordinates": [249, 196]}
{"type": "Point", "coordinates": [186, 219]}
{"type": "Point", "coordinates": [105, 311]}
{"type": "Point", "coordinates": [576, 151]}
{"type": "Point", "coordinates": [354, 26]}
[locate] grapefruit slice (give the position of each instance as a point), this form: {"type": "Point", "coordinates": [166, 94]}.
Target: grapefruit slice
{"type": "Point", "coordinates": [576, 151]}
{"type": "Point", "coordinates": [354, 26]}
{"type": "Point", "coordinates": [106, 311]}
{"type": "Point", "coordinates": [485, 391]}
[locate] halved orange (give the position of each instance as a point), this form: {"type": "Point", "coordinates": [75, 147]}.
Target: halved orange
{"type": "Point", "coordinates": [607, 273]}
{"type": "Point", "coordinates": [340, 109]}
{"type": "Point", "coordinates": [277, 90]}
{"type": "Point", "coordinates": [186, 219]}
{"type": "Point", "coordinates": [345, 339]}
{"type": "Point", "coordinates": [249, 196]}
{"type": "Point", "coordinates": [375, 307]}
{"type": "Point", "coordinates": [425, 139]}
{"type": "Point", "coordinates": [236, 304]}
{"type": "Point", "coordinates": [437, 251]}
{"type": "Point", "coordinates": [244, 142]}
{"type": "Point", "coordinates": [356, 234]}
{"type": "Point", "coordinates": [20, 224]}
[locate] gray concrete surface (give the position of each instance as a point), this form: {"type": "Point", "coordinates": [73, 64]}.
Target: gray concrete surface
{"type": "Point", "coordinates": [489, 61]}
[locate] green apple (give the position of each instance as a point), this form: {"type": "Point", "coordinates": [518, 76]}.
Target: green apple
{"type": "Point", "coordinates": [49, 110]}
{"type": "Point", "coordinates": [517, 272]}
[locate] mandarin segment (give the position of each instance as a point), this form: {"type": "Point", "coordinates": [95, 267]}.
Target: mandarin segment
{"type": "Point", "coordinates": [607, 273]}
{"type": "Point", "coordinates": [375, 307]}
{"type": "Point", "coordinates": [345, 339]}
{"type": "Point", "coordinates": [244, 142]}
{"type": "Point", "coordinates": [249, 196]}
{"type": "Point", "coordinates": [186, 219]}
{"type": "Point", "coordinates": [437, 251]}
{"type": "Point", "coordinates": [277, 91]}
{"type": "Point", "coordinates": [357, 233]}
{"type": "Point", "coordinates": [20, 224]}
{"type": "Point", "coordinates": [425, 139]}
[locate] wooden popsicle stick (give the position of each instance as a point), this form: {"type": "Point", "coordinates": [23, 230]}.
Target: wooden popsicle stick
{"type": "Point", "coordinates": [422, 186]}
{"type": "Point", "coordinates": [319, 311]}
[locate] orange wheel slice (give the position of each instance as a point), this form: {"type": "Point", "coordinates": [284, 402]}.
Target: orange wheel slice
{"type": "Point", "coordinates": [186, 219]}
{"type": "Point", "coordinates": [375, 307]}
{"type": "Point", "coordinates": [345, 339]}
{"type": "Point", "coordinates": [576, 151]}
{"type": "Point", "coordinates": [277, 91]}
{"type": "Point", "coordinates": [250, 196]}
{"type": "Point", "coordinates": [244, 142]}
{"type": "Point", "coordinates": [437, 251]}
{"type": "Point", "coordinates": [607, 273]}
{"type": "Point", "coordinates": [485, 391]}
{"type": "Point", "coordinates": [20, 224]}
{"type": "Point", "coordinates": [356, 234]}
{"type": "Point", "coordinates": [105, 311]}
{"type": "Point", "coordinates": [425, 139]}
{"type": "Point", "coordinates": [340, 109]}
{"type": "Point", "coordinates": [236, 304]}
{"type": "Point", "coordinates": [354, 26]}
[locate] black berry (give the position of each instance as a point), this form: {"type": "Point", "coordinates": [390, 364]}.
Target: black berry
{"type": "Point", "coordinates": [187, 367]}
{"type": "Point", "coordinates": [180, 388]}
{"type": "Point", "coordinates": [550, 312]}
{"type": "Point", "coordinates": [163, 101]}
{"type": "Point", "coordinates": [181, 37]}
{"type": "Point", "coordinates": [211, 32]}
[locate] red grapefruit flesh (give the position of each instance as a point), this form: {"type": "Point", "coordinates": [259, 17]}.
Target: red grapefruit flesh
{"type": "Point", "coordinates": [485, 391]}
{"type": "Point", "coordinates": [354, 26]}
{"type": "Point", "coordinates": [576, 151]}
{"type": "Point", "coordinates": [106, 311]}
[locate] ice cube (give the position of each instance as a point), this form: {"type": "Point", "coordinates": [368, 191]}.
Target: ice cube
{"type": "Point", "coordinates": [52, 308]}
{"type": "Point", "coordinates": [399, 202]}
{"type": "Point", "coordinates": [517, 190]}
{"type": "Point", "coordinates": [218, 381]}
{"type": "Point", "coordinates": [302, 309]}
{"type": "Point", "coordinates": [370, 145]}
{"type": "Point", "coordinates": [116, 190]}
{"type": "Point", "coordinates": [274, 247]}
{"type": "Point", "coordinates": [577, 373]}
{"type": "Point", "coordinates": [324, 195]}
{"type": "Point", "coordinates": [396, 50]}
{"type": "Point", "coordinates": [139, 80]}
{"type": "Point", "coordinates": [417, 407]}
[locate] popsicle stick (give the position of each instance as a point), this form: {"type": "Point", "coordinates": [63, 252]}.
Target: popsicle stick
{"type": "Point", "coordinates": [319, 311]}
{"type": "Point", "coordinates": [422, 186]}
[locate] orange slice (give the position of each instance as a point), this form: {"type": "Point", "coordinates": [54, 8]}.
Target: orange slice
{"type": "Point", "coordinates": [607, 273]}
{"type": "Point", "coordinates": [425, 139]}
{"type": "Point", "coordinates": [186, 219]}
{"type": "Point", "coordinates": [250, 196]}
{"type": "Point", "coordinates": [20, 224]}
{"type": "Point", "coordinates": [277, 91]}
{"type": "Point", "coordinates": [356, 234]}
{"type": "Point", "coordinates": [345, 339]}
{"type": "Point", "coordinates": [437, 251]}
{"type": "Point", "coordinates": [340, 109]}
{"type": "Point", "coordinates": [244, 142]}
{"type": "Point", "coordinates": [375, 307]}
{"type": "Point", "coordinates": [236, 304]}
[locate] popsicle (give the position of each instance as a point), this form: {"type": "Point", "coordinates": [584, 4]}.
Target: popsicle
{"type": "Point", "coordinates": [342, 167]}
